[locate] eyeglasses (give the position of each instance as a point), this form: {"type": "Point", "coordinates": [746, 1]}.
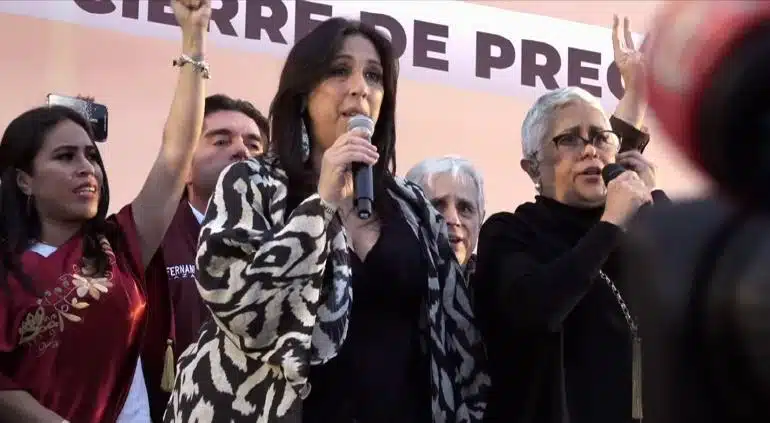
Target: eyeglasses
{"type": "Point", "coordinates": [605, 140]}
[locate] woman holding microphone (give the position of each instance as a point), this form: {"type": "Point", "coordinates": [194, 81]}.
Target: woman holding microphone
{"type": "Point", "coordinates": [319, 315]}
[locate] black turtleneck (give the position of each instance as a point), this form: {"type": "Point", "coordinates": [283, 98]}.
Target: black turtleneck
{"type": "Point", "coordinates": [558, 346]}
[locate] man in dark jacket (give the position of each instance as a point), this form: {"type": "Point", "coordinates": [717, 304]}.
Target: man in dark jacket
{"type": "Point", "coordinates": [233, 130]}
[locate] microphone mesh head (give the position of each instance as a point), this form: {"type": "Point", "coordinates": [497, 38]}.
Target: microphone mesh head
{"type": "Point", "coordinates": [363, 122]}
{"type": "Point", "coordinates": [612, 171]}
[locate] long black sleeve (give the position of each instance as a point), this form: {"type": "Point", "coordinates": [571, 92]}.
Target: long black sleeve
{"type": "Point", "coordinates": [526, 291]}
{"type": "Point", "coordinates": [631, 136]}
{"type": "Point", "coordinates": [660, 198]}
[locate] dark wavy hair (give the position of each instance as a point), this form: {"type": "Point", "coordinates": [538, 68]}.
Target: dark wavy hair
{"type": "Point", "coordinates": [307, 65]}
{"type": "Point", "coordinates": [220, 102]}
{"type": "Point", "coordinates": [20, 225]}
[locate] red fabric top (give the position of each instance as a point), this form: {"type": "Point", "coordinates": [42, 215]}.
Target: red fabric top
{"type": "Point", "coordinates": [75, 347]}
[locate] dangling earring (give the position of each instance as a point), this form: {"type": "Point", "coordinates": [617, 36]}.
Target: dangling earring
{"type": "Point", "coordinates": [305, 135]}
{"type": "Point", "coordinates": [305, 141]}
{"type": "Point", "coordinates": [29, 204]}
{"type": "Point", "coordinates": [537, 186]}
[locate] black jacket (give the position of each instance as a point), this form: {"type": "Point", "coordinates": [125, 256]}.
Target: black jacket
{"type": "Point", "coordinates": [558, 345]}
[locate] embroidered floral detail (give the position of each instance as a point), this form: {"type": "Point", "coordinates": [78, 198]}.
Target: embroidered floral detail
{"type": "Point", "coordinates": [76, 291]}
{"type": "Point", "coordinates": [93, 287]}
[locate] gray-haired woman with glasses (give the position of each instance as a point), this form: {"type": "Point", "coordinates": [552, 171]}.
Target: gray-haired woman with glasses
{"type": "Point", "coordinates": [567, 139]}
{"type": "Point", "coordinates": [559, 335]}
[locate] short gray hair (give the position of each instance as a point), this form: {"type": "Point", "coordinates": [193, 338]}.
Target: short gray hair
{"type": "Point", "coordinates": [422, 173]}
{"type": "Point", "coordinates": [538, 120]}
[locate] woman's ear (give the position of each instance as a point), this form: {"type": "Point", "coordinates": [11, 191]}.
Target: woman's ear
{"type": "Point", "coordinates": [531, 167]}
{"type": "Point", "coordinates": [24, 182]}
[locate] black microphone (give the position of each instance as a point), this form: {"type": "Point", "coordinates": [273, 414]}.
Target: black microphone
{"type": "Point", "coordinates": [363, 179]}
{"type": "Point", "coordinates": [612, 171]}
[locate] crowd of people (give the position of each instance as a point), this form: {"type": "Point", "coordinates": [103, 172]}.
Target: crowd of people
{"type": "Point", "coordinates": [240, 286]}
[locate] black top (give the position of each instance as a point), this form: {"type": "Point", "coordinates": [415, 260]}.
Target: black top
{"type": "Point", "coordinates": [381, 373]}
{"type": "Point", "coordinates": [558, 345]}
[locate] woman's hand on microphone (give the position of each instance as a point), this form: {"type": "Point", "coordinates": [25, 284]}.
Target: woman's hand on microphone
{"type": "Point", "coordinates": [336, 181]}
{"type": "Point", "coordinates": [634, 160]}
{"type": "Point", "coordinates": [625, 194]}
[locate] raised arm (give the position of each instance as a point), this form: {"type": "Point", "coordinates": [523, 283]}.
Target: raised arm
{"type": "Point", "coordinates": [636, 138]}
{"type": "Point", "coordinates": [259, 272]}
{"type": "Point", "coordinates": [630, 61]}
{"type": "Point", "coordinates": [154, 207]}
{"type": "Point", "coordinates": [529, 293]}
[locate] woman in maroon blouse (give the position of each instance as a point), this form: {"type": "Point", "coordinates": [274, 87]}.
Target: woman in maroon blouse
{"type": "Point", "coordinates": [72, 308]}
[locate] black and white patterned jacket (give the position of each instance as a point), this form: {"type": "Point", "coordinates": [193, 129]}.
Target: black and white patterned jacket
{"type": "Point", "coordinates": [260, 272]}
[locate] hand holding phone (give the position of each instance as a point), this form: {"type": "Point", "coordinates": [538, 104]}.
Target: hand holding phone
{"type": "Point", "coordinates": [96, 114]}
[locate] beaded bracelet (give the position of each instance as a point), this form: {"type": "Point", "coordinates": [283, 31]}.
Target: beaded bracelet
{"type": "Point", "coordinates": [200, 66]}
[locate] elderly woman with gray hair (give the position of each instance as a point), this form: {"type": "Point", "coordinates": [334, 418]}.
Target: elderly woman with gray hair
{"type": "Point", "coordinates": [561, 342]}
{"type": "Point", "coordinates": [456, 189]}
{"type": "Point", "coordinates": [559, 336]}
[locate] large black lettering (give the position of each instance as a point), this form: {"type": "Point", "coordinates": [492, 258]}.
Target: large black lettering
{"type": "Point", "coordinates": [485, 61]}
{"type": "Point", "coordinates": [423, 45]}
{"type": "Point", "coordinates": [303, 17]}
{"type": "Point", "coordinates": [130, 9]}
{"type": "Point", "coordinates": [615, 81]}
{"type": "Point", "coordinates": [576, 71]}
{"type": "Point", "coordinates": [97, 7]}
{"type": "Point", "coordinates": [397, 32]}
{"type": "Point", "coordinates": [272, 25]}
{"type": "Point", "coordinates": [530, 70]}
{"type": "Point", "coordinates": [159, 11]}
{"type": "Point", "coordinates": [223, 17]}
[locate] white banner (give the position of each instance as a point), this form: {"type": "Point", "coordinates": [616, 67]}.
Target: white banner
{"type": "Point", "coordinates": [441, 41]}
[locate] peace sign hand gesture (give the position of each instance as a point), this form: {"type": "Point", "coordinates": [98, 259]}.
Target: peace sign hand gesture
{"type": "Point", "coordinates": [629, 60]}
